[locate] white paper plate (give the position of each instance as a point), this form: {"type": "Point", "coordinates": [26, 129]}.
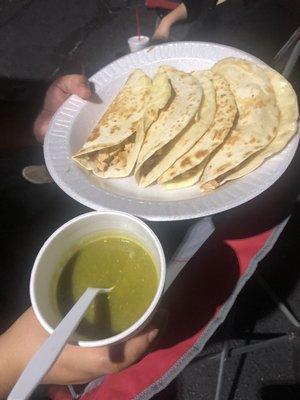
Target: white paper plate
{"type": "Point", "coordinates": [75, 119]}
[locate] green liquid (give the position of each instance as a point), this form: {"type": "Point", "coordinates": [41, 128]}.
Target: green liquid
{"type": "Point", "coordinates": [106, 261]}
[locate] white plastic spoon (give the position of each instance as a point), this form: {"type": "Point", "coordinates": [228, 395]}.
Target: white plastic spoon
{"type": "Point", "coordinates": [43, 360]}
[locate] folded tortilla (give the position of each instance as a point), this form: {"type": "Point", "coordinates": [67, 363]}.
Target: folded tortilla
{"type": "Point", "coordinates": [187, 139]}
{"type": "Point", "coordinates": [257, 122]}
{"type": "Point", "coordinates": [286, 100]}
{"type": "Point", "coordinates": [187, 169]}
{"type": "Point", "coordinates": [113, 147]}
{"type": "Point", "coordinates": [179, 115]}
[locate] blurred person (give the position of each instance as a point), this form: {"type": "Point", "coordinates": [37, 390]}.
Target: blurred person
{"type": "Point", "coordinates": [186, 10]}
{"type": "Point", "coordinates": [260, 27]}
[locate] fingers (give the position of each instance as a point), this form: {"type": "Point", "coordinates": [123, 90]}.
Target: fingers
{"type": "Point", "coordinates": [121, 356]}
{"type": "Point", "coordinates": [134, 348]}
{"type": "Point", "coordinates": [127, 353]}
{"type": "Point", "coordinates": [74, 84]}
{"type": "Point", "coordinates": [160, 36]}
{"type": "Point", "coordinates": [79, 365]}
{"type": "Point", "coordinates": [155, 41]}
{"type": "Point", "coordinates": [57, 93]}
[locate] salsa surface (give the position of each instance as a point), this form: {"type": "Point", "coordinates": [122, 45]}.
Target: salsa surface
{"type": "Point", "coordinates": [104, 262]}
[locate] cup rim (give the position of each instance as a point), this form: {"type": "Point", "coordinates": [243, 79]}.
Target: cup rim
{"type": "Point", "coordinates": [147, 314]}
{"type": "Point", "coordinates": [131, 38]}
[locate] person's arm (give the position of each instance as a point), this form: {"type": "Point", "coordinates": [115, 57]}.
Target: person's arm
{"type": "Point", "coordinates": [75, 365]}
{"type": "Point", "coordinates": [188, 9]}
{"type": "Point", "coordinates": [165, 25]}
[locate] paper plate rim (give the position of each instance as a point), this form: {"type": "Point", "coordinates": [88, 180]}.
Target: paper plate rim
{"type": "Point", "coordinates": [149, 210]}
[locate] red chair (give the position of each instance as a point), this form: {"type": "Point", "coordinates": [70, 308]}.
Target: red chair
{"type": "Point", "coordinates": [163, 4]}
{"type": "Point", "coordinates": [162, 7]}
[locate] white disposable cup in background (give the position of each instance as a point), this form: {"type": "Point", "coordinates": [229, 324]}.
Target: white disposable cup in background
{"type": "Point", "coordinates": [48, 262]}
{"type": "Point", "coordinates": [137, 43]}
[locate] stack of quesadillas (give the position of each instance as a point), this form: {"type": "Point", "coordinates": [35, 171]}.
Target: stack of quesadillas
{"type": "Point", "coordinates": [201, 128]}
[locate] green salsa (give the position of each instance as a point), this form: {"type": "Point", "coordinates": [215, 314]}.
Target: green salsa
{"type": "Point", "coordinates": [106, 261]}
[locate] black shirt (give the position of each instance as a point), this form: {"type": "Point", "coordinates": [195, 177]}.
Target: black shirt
{"type": "Point", "coordinates": [259, 27]}
{"type": "Point", "coordinates": [195, 8]}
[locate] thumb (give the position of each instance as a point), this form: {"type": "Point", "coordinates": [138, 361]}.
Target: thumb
{"type": "Point", "coordinates": [135, 347]}
{"type": "Point", "coordinates": [75, 84]}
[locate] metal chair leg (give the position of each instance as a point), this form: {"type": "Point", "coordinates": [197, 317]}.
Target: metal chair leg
{"type": "Point", "coordinates": [73, 393]}
{"type": "Point", "coordinates": [237, 351]}
{"type": "Point", "coordinates": [221, 372]}
{"type": "Point", "coordinates": [224, 355]}
{"type": "Point", "coordinates": [227, 353]}
{"type": "Point", "coordinates": [280, 304]}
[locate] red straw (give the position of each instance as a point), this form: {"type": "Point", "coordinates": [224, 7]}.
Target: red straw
{"type": "Point", "coordinates": [138, 25]}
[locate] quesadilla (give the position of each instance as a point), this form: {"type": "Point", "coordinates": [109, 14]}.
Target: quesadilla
{"type": "Point", "coordinates": [114, 144]}
{"type": "Point", "coordinates": [187, 169]}
{"type": "Point", "coordinates": [287, 104]}
{"type": "Point", "coordinates": [179, 115]}
{"type": "Point", "coordinates": [257, 123]}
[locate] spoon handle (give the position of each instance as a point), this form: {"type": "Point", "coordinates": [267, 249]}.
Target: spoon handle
{"type": "Point", "coordinates": [43, 360]}
{"type": "Point", "coordinates": [195, 237]}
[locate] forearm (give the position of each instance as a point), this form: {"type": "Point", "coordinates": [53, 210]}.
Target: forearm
{"type": "Point", "coordinates": [179, 14]}
{"type": "Point", "coordinates": [8, 370]}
